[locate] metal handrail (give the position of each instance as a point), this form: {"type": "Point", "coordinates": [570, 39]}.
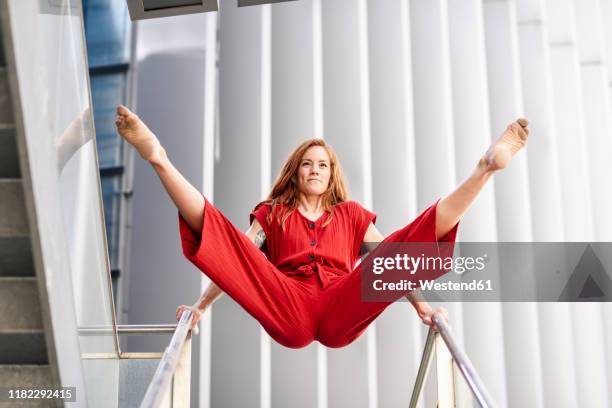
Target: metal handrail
{"type": "Point", "coordinates": [128, 329]}
{"type": "Point", "coordinates": [460, 358]}
{"type": "Point", "coordinates": [463, 363]}
{"type": "Point", "coordinates": [165, 370]}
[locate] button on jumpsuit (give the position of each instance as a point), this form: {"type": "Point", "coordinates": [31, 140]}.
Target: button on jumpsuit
{"type": "Point", "coordinates": [303, 284]}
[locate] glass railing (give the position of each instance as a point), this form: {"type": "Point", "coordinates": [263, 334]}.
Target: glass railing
{"type": "Point", "coordinates": [457, 382]}
{"type": "Point", "coordinates": [151, 378]}
{"type": "Point", "coordinates": [52, 82]}
{"type": "Point", "coordinates": [51, 69]}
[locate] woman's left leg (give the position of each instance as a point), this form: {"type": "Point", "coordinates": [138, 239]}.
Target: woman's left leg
{"type": "Point", "coordinates": [343, 315]}
{"type": "Point", "coordinates": [452, 207]}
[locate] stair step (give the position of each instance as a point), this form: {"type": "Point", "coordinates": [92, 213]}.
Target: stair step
{"type": "Point", "coordinates": [16, 257]}
{"type": "Point", "coordinates": [13, 216]}
{"type": "Point", "coordinates": [9, 156]}
{"type": "Point", "coordinates": [25, 376]}
{"type": "Point", "coordinates": [27, 347]}
{"type": "Point", "coordinates": [19, 305]}
{"type": "Point", "coordinates": [6, 103]}
{"type": "Point", "coordinates": [22, 339]}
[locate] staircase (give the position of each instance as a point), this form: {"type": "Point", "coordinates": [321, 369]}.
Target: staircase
{"type": "Point", "coordinates": [24, 360]}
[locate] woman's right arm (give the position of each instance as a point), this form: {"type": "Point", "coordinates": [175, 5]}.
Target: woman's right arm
{"type": "Point", "coordinates": [256, 234]}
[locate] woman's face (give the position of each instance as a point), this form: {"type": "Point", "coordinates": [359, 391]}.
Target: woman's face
{"type": "Point", "coordinates": [314, 171]}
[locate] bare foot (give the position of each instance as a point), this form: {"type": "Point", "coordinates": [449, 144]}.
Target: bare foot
{"type": "Point", "coordinates": [132, 129]}
{"type": "Point", "coordinates": [507, 145]}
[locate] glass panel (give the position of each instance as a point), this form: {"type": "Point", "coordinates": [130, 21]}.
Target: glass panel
{"type": "Point", "coordinates": [135, 375]}
{"type": "Point", "coordinates": [108, 91]}
{"type": "Point", "coordinates": [111, 190]}
{"type": "Point", "coordinates": [102, 380]}
{"type": "Point", "coordinates": [108, 31]}
{"type": "Point", "coordinates": [57, 114]}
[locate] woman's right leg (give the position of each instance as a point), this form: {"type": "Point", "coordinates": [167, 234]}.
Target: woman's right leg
{"type": "Point", "coordinates": [186, 197]}
{"type": "Point", "coordinates": [223, 252]}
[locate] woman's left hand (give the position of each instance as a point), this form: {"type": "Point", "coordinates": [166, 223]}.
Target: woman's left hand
{"type": "Point", "coordinates": [426, 315]}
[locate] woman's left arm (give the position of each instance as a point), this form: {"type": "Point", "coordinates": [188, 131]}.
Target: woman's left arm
{"type": "Point", "coordinates": [373, 237]}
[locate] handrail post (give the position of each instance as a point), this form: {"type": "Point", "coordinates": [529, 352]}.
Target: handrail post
{"type": "Point", "coordinates": [419, 382]}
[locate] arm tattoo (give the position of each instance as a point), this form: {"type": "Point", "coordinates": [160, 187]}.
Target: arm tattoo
{"type": "Point", "coordinates": [259, 238]}
{"type": "Point", "coordinates": [367, 247]}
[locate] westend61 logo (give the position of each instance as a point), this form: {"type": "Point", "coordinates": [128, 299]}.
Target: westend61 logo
{"type": "Point", "coordinates": [412, 264]}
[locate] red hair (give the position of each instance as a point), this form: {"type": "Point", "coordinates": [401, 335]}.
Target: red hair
{"type": "Point", "coordinates": [285, 192]}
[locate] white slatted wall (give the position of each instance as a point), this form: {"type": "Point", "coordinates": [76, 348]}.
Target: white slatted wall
{"type": "Point", "coordinates": [410, 93]}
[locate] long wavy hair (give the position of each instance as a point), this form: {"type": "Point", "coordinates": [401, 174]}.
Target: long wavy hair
{"type": "Point", "coordinates": [285, 192]}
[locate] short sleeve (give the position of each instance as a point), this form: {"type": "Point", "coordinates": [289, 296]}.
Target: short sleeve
{"type": "Point", "coordinates": [260, 213]}
{"type": "Point", "coordinates": [361, 221]}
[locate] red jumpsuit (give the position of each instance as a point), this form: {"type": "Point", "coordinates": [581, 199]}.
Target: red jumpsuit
{"type": "Point", "coordinates": [305, 287]}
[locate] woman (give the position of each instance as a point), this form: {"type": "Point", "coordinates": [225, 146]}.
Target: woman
{"type": "Point", "coordinates": [306, 288]}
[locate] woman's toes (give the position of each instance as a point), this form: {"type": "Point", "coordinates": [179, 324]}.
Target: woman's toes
{"type": "Point", "coordinates": [523, 122]}
{"type": "Point", "coordinates": [518, 130]}
{"type": "Point", "coordinates": [122, 110]}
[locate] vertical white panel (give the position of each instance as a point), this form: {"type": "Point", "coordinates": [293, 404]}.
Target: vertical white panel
{"type": "Point", "coordinates": [545, 191]}
{"type": "Point", "coordinates": [511, 185]}
{"type": "Point", "coordinates": [208, 177]}
{"type": "Point", "coordinates": [471, 111]}
{"type": "Point", "coordinates": [317, 92]}
{"type": "Point", "coordinates": [293, 70]}
{"type": "Point", "coordinates": [433, 114]}
{"type": "Point", "coordinates": [587, 318]}
{"type": "Point", "coordinates": [606, 15]}
{"type": "Point", "coordinates": [399, 335]}
{"type": "Point", "coordinates": [607, 308]}
{"type": "Point", "coordinates": [236, 337]}
{"type": "Point", "coordinates": [471, 128]}
{"type": "Point", "coordinates": [544, 182]}
{"type": "Point", "coordinates": [343, 91]}
{"type": "Point", "coordinates": [597, 111]}
{"type": "Point", "coordinates": [569, 122]}
{"type": "Point", "coordinates": [577, 210]}
{"type": "Point", "coordinates": [317, 62]}
{"type": "Point", "coordinates": [265, 347]}
{"type": "Point", "coordinates": [472, 137]}
{"type": "Point", "coordinates": [351, 376]}
{"type": "Point", "coordinates": [559, 372]}
{"type": "Point", "coordinates": [293, 107]}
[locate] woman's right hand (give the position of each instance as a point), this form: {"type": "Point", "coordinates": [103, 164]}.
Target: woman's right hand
{"type": "Point", "coordinates": [195, 311]}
